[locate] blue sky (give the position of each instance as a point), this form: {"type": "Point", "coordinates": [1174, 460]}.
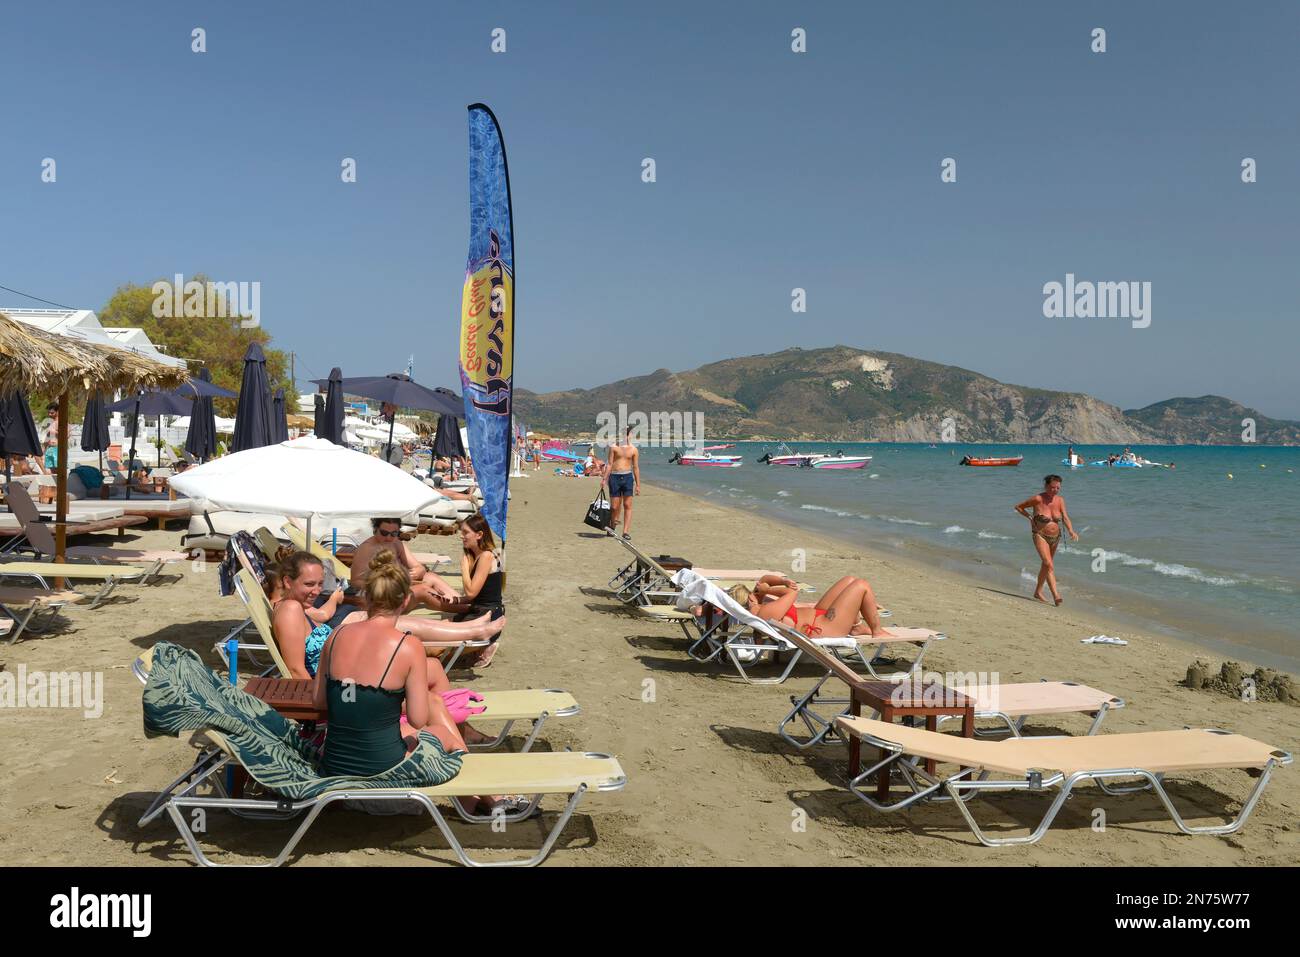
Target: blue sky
{"type": "Point", "coordinates": [775, 170]}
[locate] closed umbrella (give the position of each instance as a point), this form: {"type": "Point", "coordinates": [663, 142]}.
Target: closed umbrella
{"type": "Point", "coordinates": [333, 425]}
{"type": "Point", "coordinates": [446, 441]}
{"type": "Point", "coordinates": [279, 424]}
{"type": "Point", "coordinates": [95, 436]}
{"type": "Point", "coordinates": [253, 428]}
{"type": "Point", "coordinates": [318, 417]}
{"type": "Point", "coordinates": [201, 440]}
{"type": "Point", "coordinates": [18, 434]}
{"type": "Point", "coordinates": [308, 477]}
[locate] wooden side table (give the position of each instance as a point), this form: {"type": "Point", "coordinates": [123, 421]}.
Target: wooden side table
{"type": "Point", "coordinates": [292, 697]}
{"type": "Point", "coordinates": [900, 700]}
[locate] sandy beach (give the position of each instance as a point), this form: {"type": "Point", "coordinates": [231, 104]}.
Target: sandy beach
{"type": "Point", "coordinates": [709, 780]}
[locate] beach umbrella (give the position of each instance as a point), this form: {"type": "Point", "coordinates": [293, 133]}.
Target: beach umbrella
{"type": "Point", "coordinates": [149, 403]}
{"type": "Point", "coordinates": [18, 434]}
{"type": "Point", "coordinates": [332, 428]}
{"type": "Point", "coordinates": [402, 392]}
{"type": "Point", "coordinates": [253, 423]}
{"type": "Point", "coordinates": [95, 436]}
{"type": "Point", "coordinates": [309, 478]}
{"type": "Point", "coordinates": [201, 439]}
{"type": "Point", "coordinates": [279, 424]}
{"type": "Point", "coordinates": [446, 442]}
{"type": "Point", "coordinates": [203, 388]}
{"type": "Point", "coordinates": [318, 409]}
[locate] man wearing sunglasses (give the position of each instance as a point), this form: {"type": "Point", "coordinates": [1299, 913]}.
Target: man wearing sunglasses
{"type": "Point", "coordinates": [427, 588]}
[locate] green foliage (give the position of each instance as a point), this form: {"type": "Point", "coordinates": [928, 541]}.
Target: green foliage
{"type": "Point", "coordinates": [219, 343]}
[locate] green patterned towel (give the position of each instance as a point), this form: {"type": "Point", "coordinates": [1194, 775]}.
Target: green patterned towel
{"type": "Point", "coordinates": [185, 695]}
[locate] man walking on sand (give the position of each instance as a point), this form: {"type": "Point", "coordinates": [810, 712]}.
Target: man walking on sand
{"type": "Point", "coordinates": [624, 482]}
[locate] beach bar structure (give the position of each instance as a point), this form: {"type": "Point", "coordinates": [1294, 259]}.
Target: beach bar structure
{"type": "Point", "coordinates": [35, 360]}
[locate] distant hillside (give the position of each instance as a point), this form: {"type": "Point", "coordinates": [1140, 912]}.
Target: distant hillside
{"type": "Point", "coordinates": [1212, 420]}
{"type": "Point", "coordinates": [844, 394]}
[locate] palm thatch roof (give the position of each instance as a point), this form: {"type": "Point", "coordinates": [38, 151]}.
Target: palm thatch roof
{"type": "Point", "coordinates": [33, 360]}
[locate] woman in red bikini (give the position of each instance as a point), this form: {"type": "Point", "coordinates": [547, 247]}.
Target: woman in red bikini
{"type": "Point", "coordinates": [1045, 524]}
{"type": "Point", "coordinates": [835, 614]}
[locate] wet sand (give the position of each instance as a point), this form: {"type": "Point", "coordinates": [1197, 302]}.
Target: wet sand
{"type": "Point", "coordinates": [709, 780]}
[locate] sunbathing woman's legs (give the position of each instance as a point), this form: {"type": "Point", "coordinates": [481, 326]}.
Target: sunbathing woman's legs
{"type": "Point", "coordinates": [844, 602]}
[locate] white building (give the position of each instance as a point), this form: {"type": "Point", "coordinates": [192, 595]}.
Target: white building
{"type": "Point", "coordinates": [83, 324]}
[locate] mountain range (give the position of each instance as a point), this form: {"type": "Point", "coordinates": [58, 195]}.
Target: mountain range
{"type": "Point", "coordinates": [846, 394]}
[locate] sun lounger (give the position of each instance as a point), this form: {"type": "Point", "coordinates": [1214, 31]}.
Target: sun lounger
{"type": "Point", "coordinates": [39, 540]}
{"type": "Point", "coordinates": [644, 578]}
{"type": "Point", "coordinates": [161, 510]}
{"type": "Point", "coordinates": [758, 636]}
{"type": "Point", "coordinates": [1011, 704]}
{"type": "Point", "coordinates": [108, 576]}
{"type": "Point", "coordinates": [536, 705]}
{"type": "Point", "coordinates": [1039, 764]}
{"type": "Point", "coordinates": [154, 559]}
{"type": "Point", "coordinates": [644, 582]}
{"type": "Point", "coordinates": [25, 606]}
{"type": "Point", "coordinates": [244, 732]}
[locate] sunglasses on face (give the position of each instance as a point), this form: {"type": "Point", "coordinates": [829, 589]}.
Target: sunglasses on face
{"type": "Point", "coordinates": [389, 533]}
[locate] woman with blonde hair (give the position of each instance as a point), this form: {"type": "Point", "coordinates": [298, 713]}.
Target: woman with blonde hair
{"type": "Point", "coordinates": [370, 671]}
{"type": "Point", "coordinates": [835, 615]}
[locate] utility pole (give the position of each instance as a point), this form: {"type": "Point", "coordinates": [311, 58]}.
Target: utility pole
{"type": "Point", "coordinates": [293, 380]}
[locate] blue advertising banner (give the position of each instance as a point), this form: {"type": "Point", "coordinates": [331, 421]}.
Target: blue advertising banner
{"type": "Point", "coordinates": [487, 317]}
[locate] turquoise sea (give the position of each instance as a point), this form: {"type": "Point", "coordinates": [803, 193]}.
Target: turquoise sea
{"type": "Point", "coordinates": [1208, 551]}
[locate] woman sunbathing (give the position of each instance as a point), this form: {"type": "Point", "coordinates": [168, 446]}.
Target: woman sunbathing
{"type": "Point", "coordinates": [835, 615]}
{"type": "Point", "coordinates": [301, 630]}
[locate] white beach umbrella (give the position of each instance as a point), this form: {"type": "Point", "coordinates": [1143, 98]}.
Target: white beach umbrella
{"type": "Point", "coordinates": [305, 477]}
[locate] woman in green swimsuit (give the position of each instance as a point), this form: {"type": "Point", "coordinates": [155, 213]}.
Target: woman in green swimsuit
{"type": "Point", "coordinates": [368, 670]}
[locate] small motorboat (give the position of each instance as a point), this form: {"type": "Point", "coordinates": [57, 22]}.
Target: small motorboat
{"type": "Point", "coordinates": [840, 461]}
{"type": "Point", "coordinates": [718, 448]}
{"type": "Point", "coordinates": [706, 459]}
{"type": "Point", "coordinates": [784, 456]}
{"type": "Point", "coordinates": [993, 461]}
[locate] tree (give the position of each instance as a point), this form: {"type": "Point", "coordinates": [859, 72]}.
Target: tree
{"type": "Point", "coordinates": [219, 343]}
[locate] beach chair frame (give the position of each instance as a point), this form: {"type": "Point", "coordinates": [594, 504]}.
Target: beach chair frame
{"type": "Point", "coordinates": [28, 617]}
{"type": "Point", "coordinates": [961, 787]}
{"type": "Point", "coordinates": [206, 770]}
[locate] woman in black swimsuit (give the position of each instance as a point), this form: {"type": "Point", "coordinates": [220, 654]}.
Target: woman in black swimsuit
{"type": "Point", "coordinates": [1045, 531]}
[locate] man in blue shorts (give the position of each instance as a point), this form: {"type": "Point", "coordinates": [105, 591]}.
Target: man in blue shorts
{"type": "Point", "coordinates": [624, 482]}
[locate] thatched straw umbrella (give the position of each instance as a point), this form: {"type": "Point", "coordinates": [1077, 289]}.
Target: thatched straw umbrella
{"type": "Point", "coordinates": [32, 360]}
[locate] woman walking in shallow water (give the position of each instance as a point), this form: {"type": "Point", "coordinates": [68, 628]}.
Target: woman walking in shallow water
{"type": "Point", "coordinates": [1045, 528]}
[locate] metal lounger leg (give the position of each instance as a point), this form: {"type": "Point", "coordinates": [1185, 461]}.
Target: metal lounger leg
{"type": "Point", "coordinates": [895, 676]}
{"type": "Point", "coordinates": [533, 861]}
{"type": "Point", "coordinates": [104, 591]}
{"type": "Point", "coordinates": [203, 767]}
{"type": "Point", "coordinates": [21, 621]}
{"type": "Point", "coordinates": [819, 728]}
{"type": "Point", "coordinates": [733, 646]}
